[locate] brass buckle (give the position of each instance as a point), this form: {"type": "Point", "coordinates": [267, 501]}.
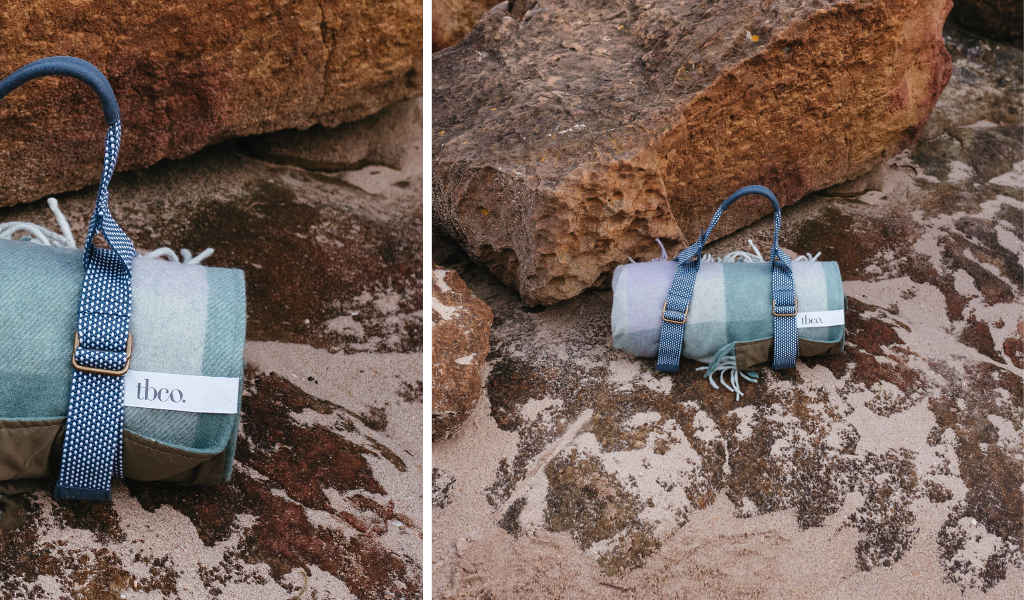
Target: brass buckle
{"type": "Point", "coordinates": [796, 309]}
{"type": "Point", "coordinates": [118, 373]}
{"type": "Point", "coordinates": [686, 313]}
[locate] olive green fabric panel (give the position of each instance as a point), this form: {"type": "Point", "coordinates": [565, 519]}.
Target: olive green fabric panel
{"type": "Point", "coordinates": [27, 449]}
{"type": "Point", "coordinates": [755, 352]}
{"type": "Point", "coordinates": [30, 453]}
{"type": "Point", "coordinates": [13, 502]}
{"type": "Point", "coordinates": [146, 460]}
{"type": "Point", "coordinates": [812, 348]}
{"type": "Point", "coordinates": [32, 449]}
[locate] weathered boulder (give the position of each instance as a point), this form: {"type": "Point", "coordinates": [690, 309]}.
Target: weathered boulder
{"type": "Point", "coordinates": [461, 342]}
{"type": "Point", "coordinates": [451, 20]}
{"type": "Point", "coordinates": [568, 135]}
{"type": "Point", "coordinates": [190, 75]}
{"type": "Point", "coordinates": [997, 19]}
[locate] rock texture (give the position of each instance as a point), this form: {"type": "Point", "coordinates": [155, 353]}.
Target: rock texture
{"type": "Point", "coordinates": [461, 341]}
{"type": "Point", "coordinates": [894, 470]}
{"type": "Point", "coordinates": [997, 19]}
{"type": "Point", "coordinates": [326, 498]}
{"type": "Point", "coordinates": [568, 135]}
{"type": "Point", "coordinates": [451, 20]}
{"type": "Point", "coordinates": [189, 75]}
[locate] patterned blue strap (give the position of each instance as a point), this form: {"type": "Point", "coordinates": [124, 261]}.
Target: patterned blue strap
{"type": "Point", "coordinates": [677, 309]}
{"type": "Point", "coordinates": [784, 309]}
{"type": "Point", "coordinates": [102, 346]}
{"type": "Point", "coordinates": [784, 302]}
{"type": "Point", "coordinates": [93, 440]}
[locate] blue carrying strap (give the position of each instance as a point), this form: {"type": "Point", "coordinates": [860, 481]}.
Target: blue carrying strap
{"type": "Point", "coordinates": [102, 346]}
{"type": "Point", "coordinates": [784, 303]}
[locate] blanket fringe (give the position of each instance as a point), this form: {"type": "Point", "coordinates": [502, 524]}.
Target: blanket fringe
{"type": "Point", "coordinates": [756, 256]}
{"type": "Point", "coordinates": [65, 239]}
{"type": "Point", "coordinates": [725, 367]}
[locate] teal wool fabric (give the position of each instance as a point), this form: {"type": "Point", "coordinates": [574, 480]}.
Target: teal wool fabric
{"type": "Point", "coordinates": [732, 303]}
{"type": "Point", "coordinates": [187, 319]}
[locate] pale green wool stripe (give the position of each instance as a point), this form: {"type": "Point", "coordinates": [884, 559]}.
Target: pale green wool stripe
{"type": "Point", "coordinates": [169, 330]}
{"type": "Point", "coordinates": [749, 291]}
{"type": "Point", "coordinates": [812, 294]}
{"type": "Point", "coordinates": [707, 321]}
{"type": "Point", "coordinates": [38, 317]}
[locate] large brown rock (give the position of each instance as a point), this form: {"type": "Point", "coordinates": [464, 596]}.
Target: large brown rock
{"type": "Point", "coordinates": [997, 19]}
{"type": "Point", "coordinates": [451, 20]}
{"type": "Point", "coordinates": [568, 135]}
{"type": "Point", "coordinates": [461, 341]}
{"type": "Point", "coordinates": [189, 75]}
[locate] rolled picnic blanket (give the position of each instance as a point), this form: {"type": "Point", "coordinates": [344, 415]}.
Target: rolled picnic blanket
{"type": "Point", "coordinates": [730, 316]}
{"type": "Point", "coordinates": [187, 320]}
{"type": "Point", "coordinates": [111, 365]}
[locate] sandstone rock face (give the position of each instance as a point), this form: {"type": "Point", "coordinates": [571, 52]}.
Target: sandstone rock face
{"type": "Point", "coordinates": [461, 342]}
{"type": "Point", "coordinates": [997, 19]}
{"type": "Point", "coordinates": [190, 75]}
{"type": "Point", "coordinates": [569, 135]}
{"type": "Point", "coordinates": [451, 20]}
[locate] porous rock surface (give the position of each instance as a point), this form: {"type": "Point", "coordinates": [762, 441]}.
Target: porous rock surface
{"type": "Point", "coordinates": [461, 329]}
{"type": "Point", "coordinates": [893, 470]}
{"type": "Point", "coordinates": [325, 500]}
{"type": "Point", "coordinates": [188, 75]}
{"type": "Point", "coordinates": [568, 135]}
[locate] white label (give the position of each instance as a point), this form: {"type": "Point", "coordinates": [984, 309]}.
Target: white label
{"type": "Point", "coordinates": [824, 318]}
{"type": "Point", "coordinates": [186, 393]}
